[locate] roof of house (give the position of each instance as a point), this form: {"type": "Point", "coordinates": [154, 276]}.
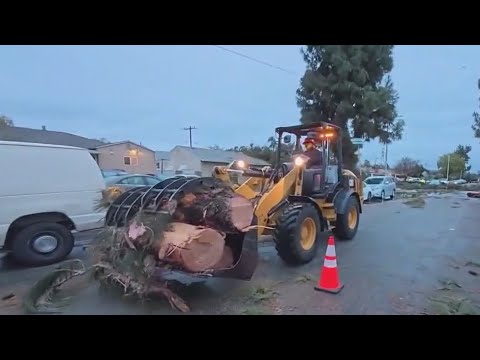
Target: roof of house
{"type": "Point", "coordinates": [162, 155]}
{"type": "Point", "coordinates": [103, 145]}
{"type": "Point", "coordinates": [21, 134]}
{"type": "Point", "coordinates": [41, 145]}
{"type": "Point", "coordinates": [222, 156]}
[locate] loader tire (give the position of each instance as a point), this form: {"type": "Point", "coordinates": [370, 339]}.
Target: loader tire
{"type": "Point", "coordinates": [297, 234]}
{"type": "Point", "coordinates": [346, 225]}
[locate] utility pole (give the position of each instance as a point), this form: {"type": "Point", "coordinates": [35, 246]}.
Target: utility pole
{"type": "Point", "coordinates": [189, 129]}
{"type": "Point", "coordinates": [386, 157]}
{"type": "Point", "coordinates": [448, 167]}
{"type": "Point", "coordinates": [161, 165]}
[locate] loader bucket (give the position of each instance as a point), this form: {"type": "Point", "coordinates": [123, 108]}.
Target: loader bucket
{"type": "Point", "coordinates": [150, 199]}
{"type": "Point", "coordinates": [245, 264]}
{"type": "Point", "coordinates": [246, 255]}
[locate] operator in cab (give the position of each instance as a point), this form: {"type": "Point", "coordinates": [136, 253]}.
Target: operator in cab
{"type": "Point", "coordinates": [315, 158]}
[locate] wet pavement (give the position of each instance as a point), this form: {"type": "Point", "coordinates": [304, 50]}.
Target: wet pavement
{"type": "Point", "coordinates": [396, 263]}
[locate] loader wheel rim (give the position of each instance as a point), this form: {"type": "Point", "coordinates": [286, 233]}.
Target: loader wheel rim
{"type": "Point", "coordinates": [308, 233]}
{"type": "Point", "coordinates": [352, 218]}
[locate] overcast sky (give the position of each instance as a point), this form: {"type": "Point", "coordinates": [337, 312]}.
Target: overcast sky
{"type": "Point", "coordinates": [148, 94]}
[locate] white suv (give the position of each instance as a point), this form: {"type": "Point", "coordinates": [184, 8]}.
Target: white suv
{"type": "Point", "coordinates": [382, 187]}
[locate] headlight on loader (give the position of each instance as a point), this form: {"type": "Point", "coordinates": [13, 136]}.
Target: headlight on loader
{"type": "Point", "coordinates": [241, 164]}
{"type": "Point", "coordinates": [299, 161]}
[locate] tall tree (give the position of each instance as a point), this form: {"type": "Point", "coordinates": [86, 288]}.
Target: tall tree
{"type": "Point", "coordinates": [409, 167]}
{"type": "Point", "coordinates": [272, 143]}
{"type": "Point", "coordinates": [349, 86]}
{"type": "Point", "coordinates": [367, 163]}
{"type": "Point", "coordinates": [453, 166]}
{"type": "Point", "coordinates": [476, 119]}
{"type": "Point", "coordinates": [463, 151]}
{"type": "Point", "coordinates": [5, 121]}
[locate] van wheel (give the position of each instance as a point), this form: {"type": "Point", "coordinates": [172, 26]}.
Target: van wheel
{"type": "Point", "coordinates": [42, 244]}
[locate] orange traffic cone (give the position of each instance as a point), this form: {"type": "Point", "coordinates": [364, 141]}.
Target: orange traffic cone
{"type": "Point", "coordinates": [329, 278]}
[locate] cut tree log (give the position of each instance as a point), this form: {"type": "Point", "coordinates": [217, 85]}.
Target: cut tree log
{"type": "Point", "coordinates": [220, 209]}
{"type": "Point", "coordinates": [193, 248]}
{"type": "Point", "coordinates": [227, 259]}
{"type": "Point", "coordinates": [241, 212]}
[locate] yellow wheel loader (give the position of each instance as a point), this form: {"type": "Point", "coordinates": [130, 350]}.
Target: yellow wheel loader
{"type": "Point", "coordinates": [292, 203]}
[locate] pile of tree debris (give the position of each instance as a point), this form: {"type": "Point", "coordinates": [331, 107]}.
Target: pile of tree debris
{"type": "Point", "coordinates": [186, 233]}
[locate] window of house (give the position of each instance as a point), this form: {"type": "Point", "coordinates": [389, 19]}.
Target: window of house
{"type": "Point", "coordinates": [130, 160]}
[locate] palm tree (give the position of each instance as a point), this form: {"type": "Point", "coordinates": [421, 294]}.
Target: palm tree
{"type": "Point", "coordinates": [272, 143]}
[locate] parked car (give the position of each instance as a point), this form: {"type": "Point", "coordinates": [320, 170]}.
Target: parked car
{"type": "Point", "coordinates": [40, 214]}
{"type": "Point", "coordinates": [434, 182]}
{"type": "Point", "coordinates": [113, 172]}
{"type": "Point", "coordinates": [415, 180]}
{"type": "Point", "coordinates": [367, 192]}
{"type": "Point", "coordinates": [187, 176]}
{"type": "Point", "coordinates": [130, 181]}
{"type": "Point", "coordinates": [164, 177]}
{"type": "Point", "coordinates": [382, 186]}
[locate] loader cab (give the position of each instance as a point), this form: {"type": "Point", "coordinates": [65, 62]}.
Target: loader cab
{"type": "Point", "coordinates": [318, 181]}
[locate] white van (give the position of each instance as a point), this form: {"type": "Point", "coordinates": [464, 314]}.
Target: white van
{"type": "Point", "coordinates": [47, 193]}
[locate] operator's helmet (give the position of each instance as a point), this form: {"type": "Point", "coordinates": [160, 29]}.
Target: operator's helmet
{"type": "Point", "coordinates": [309, 140]}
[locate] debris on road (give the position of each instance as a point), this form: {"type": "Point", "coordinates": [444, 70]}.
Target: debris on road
{"type": "Point", "coordinates": [456, 205]}
{"type": "Point", "coordinates": [473, 263]}
{"type": "Point", "coordinates": [261, 301]}
{"type": "Point", "coordinates": [8, 296]}
{"type": "Point", "coordinates": [452, 305]}
{"type": "Point", "coordinates": [261, 293]}
{"type": "Point", "coordinates": [40, 298]}
{"type": "Point", "coordinates": [416, 202]}
{"type": "Point", "coordinates": [449, 284]}
{"type": "Point", "coordinates": [306, 278]}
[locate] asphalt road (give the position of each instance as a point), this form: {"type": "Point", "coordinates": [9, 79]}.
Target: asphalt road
{"type": "Point", "coordinates": [398, 261]}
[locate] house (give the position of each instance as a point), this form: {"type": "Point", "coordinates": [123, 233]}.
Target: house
{"type": "Point", "coordinates": [126, 155]}
{"type": "Point", "coordinates": [44, 136]}
{"type": "Point", "coordinates": [202, 161]}
{"type": "Point", "coordinates": [163, 160]}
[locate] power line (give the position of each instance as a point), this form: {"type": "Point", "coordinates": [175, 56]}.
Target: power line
{"type": "Point", "coordinates": [256, 60]}
{"type": "Point", "coordinates": [189, 129]}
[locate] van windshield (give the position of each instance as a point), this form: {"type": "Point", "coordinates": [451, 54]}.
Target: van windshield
{"type": "Point", "coordinates": [374, 181]}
